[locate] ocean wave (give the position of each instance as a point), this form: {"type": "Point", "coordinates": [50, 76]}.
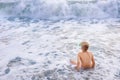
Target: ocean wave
{"type": "Point", "coordinates": [62, 9]}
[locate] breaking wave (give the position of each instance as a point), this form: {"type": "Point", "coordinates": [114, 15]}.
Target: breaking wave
{"type": "Point", "coordinates": [60, 9]}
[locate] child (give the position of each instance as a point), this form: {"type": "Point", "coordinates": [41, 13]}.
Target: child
{"type": "Point", "coordinates": [85, 59]}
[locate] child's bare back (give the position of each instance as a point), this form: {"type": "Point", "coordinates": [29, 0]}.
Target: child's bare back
{"type": "Point", "coordinates": [85, 59]}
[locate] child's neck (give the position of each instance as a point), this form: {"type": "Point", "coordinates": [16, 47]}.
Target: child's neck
{"type": "Point", "coordinates": [84, 51]}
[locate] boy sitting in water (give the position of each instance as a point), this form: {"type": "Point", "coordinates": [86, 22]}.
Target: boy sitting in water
{"type": "Point", "coordinates": [85, 59]}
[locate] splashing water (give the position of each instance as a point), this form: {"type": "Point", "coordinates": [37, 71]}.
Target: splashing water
{"type": "Point", "coordinates": [60, 9]}
{"type": "Point", "coordinates": [41, 50]}
{"type": "Point", "coordinates": [38, 37]}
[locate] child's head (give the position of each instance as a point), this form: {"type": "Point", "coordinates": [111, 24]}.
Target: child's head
{"type": "Point", "coordinates": [84, 46]}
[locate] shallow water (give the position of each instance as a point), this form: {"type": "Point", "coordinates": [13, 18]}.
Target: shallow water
{"type": "Point", "coordinates": [41, 50]}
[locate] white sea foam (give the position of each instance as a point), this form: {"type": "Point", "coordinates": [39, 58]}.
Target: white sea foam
{"type": "Point", "coordinates": [41, 50]}
{"type": "Point", "coordinates": [60, 9]}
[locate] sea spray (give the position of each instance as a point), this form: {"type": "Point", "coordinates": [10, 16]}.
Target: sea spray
{"type": "Point", "coordinates": [62, 9]}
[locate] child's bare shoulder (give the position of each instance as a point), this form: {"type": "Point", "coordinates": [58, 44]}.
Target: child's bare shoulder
{"type": "Point", "coordinates": [90, 53]}
{"type": "Point", "coordinates": [80, 53]}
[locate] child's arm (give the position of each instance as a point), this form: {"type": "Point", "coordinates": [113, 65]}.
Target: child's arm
{"type": "Point", "coordinates": [78, 66]}
{"type": "Point", "coordinates": [93, 62]}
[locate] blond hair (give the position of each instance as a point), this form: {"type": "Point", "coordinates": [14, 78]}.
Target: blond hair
{"type": "Point", "coordinates": [84, 45]}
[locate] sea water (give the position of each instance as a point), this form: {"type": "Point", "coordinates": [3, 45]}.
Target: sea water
{"type": "Point", "coordinates": [62, 9]}
{"type": "Point", "coordinates": [38, 38]}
